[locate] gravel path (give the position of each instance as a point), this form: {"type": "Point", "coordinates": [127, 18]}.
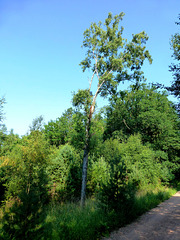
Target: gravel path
{"type": "Point", "coordinates": [160, 223]}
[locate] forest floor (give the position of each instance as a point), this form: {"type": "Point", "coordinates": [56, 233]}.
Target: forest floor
{"type": "Point", "coordinates": [160, 223]}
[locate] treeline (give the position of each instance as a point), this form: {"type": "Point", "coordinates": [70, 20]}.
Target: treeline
{"type": "Point", "coordinates": [135, 143]}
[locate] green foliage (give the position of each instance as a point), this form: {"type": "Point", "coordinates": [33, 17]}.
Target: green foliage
{"type": "Point", "coordinates": [69, 221]}
{"type": "Point", "coordinates": [77, 135]}
{"type": "Point", "coordinates": [133, 166]}
{"type": "Point", "coordinates": [9, 142]}
{"type": "Point", "coordinates": [37, 124]}
{"type": "Point", "coordinates": [143, 110]}
{"type": "Point", "coordinates": [82, 100]}
{"type": "Point", "coordinates": [26, 190]}
{"type": "Point", "coordinates": [143, 165]}
{"type": "Point", "coordinates": [148, 112]}
{"type": "Point", "coordinates": [24, 219]}
{"type": "Point", "coordinates": [98, 175]}
{"type": "Point", "coordinates": [150, 198]}
{"type": "Point", "coordinates": [135, 148]}
{"type": "Point", "coordinates": [111, 59]}
{"type": "Point", "coordinates": [65, 174]}
{"type": "Point", "coordinates": [119, 192]}
{"type": "Point", "coordinates": [96, 132]}
{"type": "Point", "coordinates": [110, 56]}
{"type": "Point", "coordinates": [69, 128]}
{"type": "Point", "coordinates": [175, 67]}
{"type": "Point", "coordinates": [111, 151]}
{"type": "Point", "coordinates": [57, 132]}
{"type": "Point", "coordinates": [32, 151]}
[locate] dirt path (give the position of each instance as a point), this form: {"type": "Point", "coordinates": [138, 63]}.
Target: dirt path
{"type": "Point", "coordinates": [161, 223]}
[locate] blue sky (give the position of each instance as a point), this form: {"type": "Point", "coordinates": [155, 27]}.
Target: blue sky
{"type": "Point", "coordinates": [40, 50]}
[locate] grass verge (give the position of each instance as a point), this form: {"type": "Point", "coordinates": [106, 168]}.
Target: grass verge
{"type": "Point", "coordinates": [70, 222]}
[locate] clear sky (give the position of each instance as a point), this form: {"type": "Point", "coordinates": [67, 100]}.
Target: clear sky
{"type": "Point", "coordinates": [40, 50]}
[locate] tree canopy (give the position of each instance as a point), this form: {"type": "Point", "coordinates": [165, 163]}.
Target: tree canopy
{"type": "Point", "coordinates": [175, 67]}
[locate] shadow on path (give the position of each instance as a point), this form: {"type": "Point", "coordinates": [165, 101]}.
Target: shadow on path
{"type": "Point", "coordinates": [160, 223]}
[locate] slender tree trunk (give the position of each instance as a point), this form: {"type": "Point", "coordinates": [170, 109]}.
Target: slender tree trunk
{"type": "Point", "coordinates": [86, 150]}
{"type": "Point", "coordinates": [84, 176]}
{"type": "Point", "coordinates": [85, 160]}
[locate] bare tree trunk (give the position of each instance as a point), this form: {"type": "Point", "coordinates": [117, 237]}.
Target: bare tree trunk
{"type": "Point", "coordinates": [85, 162]}
{"type": "Point", "coordinates": [86, 149]}
{"type": "Point", "coordinates": [84, 177]}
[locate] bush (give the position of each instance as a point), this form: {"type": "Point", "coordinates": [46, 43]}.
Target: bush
{"type": "Point", "coordinates": [133, 166]}
{"type": "Point", "coordinates": [98, 174]}
{"type": "Point", "coordinates": [118, 194]}
{"type": "Point", "coordinates": [26, 191]}
{"type": "Point", "coordinates": [143, 165]}
{"type": "Point", "coordinates": [65, 174]}
{"type": "Point", "coordinates": [24, 219]}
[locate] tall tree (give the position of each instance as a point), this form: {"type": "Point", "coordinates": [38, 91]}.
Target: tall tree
{"type": "Point", "coordinates": [112, 59]}
{"type": "Point", "coordinates": [175, 67]}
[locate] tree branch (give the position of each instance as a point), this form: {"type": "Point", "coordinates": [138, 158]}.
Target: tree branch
{"type": "Point", "coordinates": [95, 59]}
{"type": "Point", "coordinates": [126, 124]}
{"type": "Point", "coordinates": [96, 94]}
{"type": "Point", "coordinates": [100, 85]}
{"type": "Point", "coordinates": [90, 83]}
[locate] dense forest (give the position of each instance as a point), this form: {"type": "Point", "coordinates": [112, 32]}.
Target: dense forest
{"type": "Point", "coordinates": [94, 169]}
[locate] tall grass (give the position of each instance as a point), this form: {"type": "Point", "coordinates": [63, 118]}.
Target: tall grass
{"type": "Point", "coordinates": [150, 198]}
{"type": "Point", "coordinates": [70, 222]}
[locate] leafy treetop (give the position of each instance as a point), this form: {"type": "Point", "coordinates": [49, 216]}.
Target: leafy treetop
{"type": "Point", "coordinates": [110, 56]}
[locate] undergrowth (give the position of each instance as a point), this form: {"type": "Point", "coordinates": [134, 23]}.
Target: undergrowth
{"type": "Point", "coordinates": [69, 221]}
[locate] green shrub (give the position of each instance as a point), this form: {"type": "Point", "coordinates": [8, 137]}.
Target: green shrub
{"type": "Point", "coordinates": [26, 191]}
{"type": "Point", "coordinates": [24, 219]}
{"type": "Point", "coordinates": [118, 194]}
{"type": "Point", "coordinates": [65, 174]}
{"type": "Point", "coordinates": [98, 174]}
{"type": "Point", "coordinates": [143, 165]}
